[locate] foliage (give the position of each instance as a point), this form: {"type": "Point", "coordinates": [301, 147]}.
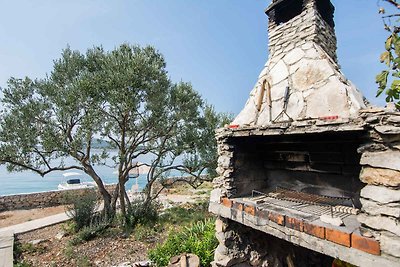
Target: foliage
{"type": "Point", "coordinates": [142, 212]}
{"type": "Point", "coordinates": [89, 232]}
{"type": "Point", "coordinates": [198, 239]}
{"type": "Point", "coordinates": [186, 215]}
{"type": "Point", "coordinates": [83, 209]}
{"type": "Point", "coordinates": [125, 98]}
{"type": "Point", "coordinates": [175, 218]}
{"type": "Point", "coordinates": [388, 80]}
{"type": "Point", "coordinates": [20, 248]}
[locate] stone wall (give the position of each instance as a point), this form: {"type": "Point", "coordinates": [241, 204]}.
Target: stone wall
{"type": "Point", "coordinates": [302, 71]}
{"type": "Point", "coordinates": [243, 246]}
{"type": "Point", "coordinates": [380, 162]}
{"type": "Point", "coordinates": [41, 199]}
{"type": "Point", "coordinates": [309, 26]}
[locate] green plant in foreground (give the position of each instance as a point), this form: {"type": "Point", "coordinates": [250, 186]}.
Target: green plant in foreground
{"type": "Point", "coordinates": [198, 239]}
{"type": "Point", "coordinates": [142, 212]}
{"type": "Point", "coordinates": [83, 209]}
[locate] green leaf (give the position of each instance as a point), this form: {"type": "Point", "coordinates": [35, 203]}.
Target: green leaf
{"type": "Point", "coordinates": [385, 57]}
{"type": "Point", "coordinates": [388, 43]}
{"type": "Point", "coordinates": [381, 80]}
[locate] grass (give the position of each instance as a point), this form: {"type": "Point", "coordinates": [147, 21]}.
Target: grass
{"type": "Point", "coordinates": [173, 218]}
{"type": "Point", "coordinates": [186, 189]}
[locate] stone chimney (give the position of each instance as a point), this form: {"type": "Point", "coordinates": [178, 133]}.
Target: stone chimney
{"type": "Point", "coordinates": [301, 79]}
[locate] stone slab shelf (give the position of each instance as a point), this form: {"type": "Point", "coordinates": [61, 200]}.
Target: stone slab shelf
{"type": "Point", "coordinates": [345, 243]}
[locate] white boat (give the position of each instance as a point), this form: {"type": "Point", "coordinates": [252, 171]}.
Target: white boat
{"type": "Point", "coordinates": [74, 182]}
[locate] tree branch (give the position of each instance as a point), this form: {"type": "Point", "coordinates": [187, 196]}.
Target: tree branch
{"type": "Point", "coordinates": [393, 2]}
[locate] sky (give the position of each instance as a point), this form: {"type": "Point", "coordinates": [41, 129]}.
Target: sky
{"type": "Point", "coordinates": [220, 46]}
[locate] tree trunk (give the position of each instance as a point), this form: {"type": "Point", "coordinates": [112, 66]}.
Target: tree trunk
{"type": "Point", "coordinates": [108, 210]}
{"type": "Point", "coordinates": [122, 198]}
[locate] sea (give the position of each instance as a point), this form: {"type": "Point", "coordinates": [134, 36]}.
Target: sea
{"type": "Point", "coordinates": [31, 182]}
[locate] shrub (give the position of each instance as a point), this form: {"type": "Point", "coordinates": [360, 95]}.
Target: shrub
{"type": "Point", "coordinates": [142, 212]}
{"type": "Point", "coordinates": [89, 232]}
{"type": "Point", "coordinates": [186, 215]}
{"type": "Point", "coordinates": [198, 239]}
{"type": "Point", "coordinates": [82, 208]}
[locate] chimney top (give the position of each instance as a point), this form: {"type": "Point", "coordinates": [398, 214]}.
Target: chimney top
{"type": "Point", "coordinates": [296, 21]}
{"type": "Point", "coordinates": [301, 79]}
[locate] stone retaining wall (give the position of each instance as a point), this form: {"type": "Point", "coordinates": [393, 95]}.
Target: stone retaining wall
{"type": "Point", "coordinates": [41, 199]}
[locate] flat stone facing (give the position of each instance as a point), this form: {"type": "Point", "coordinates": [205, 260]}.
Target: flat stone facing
{"type": "Point", "coordinates": [386, 159]}
{"type": "Point", "coordinates": [379, 176]}
{"type": "Point", "coordinates": [375, 208]}
{"type": "Point", "coordinates": [380, 194]}
{"type": "Point", "coordinates": [390, 244]}
{"type": "Point", "coordinates": [385, 223]}
{"type": "Point", "coordinates": [302, 58]}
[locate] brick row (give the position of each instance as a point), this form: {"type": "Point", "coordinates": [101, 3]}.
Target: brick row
{"type": "Point", "coordinates": [354, 240]}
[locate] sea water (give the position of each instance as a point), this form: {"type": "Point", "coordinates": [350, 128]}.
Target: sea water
{"type": "Point", "coordinates": [30, 182]}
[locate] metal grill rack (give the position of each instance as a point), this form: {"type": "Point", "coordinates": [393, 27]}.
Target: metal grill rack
{"type": "Point", "coordinates": [304, 202]}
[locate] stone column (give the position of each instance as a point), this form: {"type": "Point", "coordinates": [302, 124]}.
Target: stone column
{"type": "Point", "coordinates": [380, 162]}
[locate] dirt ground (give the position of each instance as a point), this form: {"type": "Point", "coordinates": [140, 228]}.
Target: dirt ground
{"type": "Point", "coordinates": [110, 250]}
{"type": "Point", "coordinates": [45, 247]}
{"type": "Point", "coordinates": [8, 218]}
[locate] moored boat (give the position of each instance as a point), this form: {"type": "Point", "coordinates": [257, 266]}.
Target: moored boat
{"type": "Point", "coordinates": [74, 182]}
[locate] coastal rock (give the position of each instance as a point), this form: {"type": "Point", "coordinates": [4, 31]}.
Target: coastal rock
{"type": "Point", "coordinates": [380, 194]}
{"type": "Point", "coordinates": [378, 176]}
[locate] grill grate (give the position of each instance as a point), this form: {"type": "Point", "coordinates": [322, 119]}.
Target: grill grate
{"type": "Point", "coordinates": [308, 203]}
{"type": "Point", "coordinates": [306, 198]}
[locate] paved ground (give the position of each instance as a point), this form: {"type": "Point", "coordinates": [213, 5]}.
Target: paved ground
{"type": "Point", "coordinates": [7, 235]}
{"type": "Point", "coordinates": [6, 249]}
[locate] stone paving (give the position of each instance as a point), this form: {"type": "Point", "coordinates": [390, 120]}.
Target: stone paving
{"type": "Point", "coordinates": [7, 235]}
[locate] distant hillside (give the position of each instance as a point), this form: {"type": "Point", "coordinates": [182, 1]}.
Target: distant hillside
{"type": "Point", "coordinates": [101, 144]}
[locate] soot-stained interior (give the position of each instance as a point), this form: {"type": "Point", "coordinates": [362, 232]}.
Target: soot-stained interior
{"type": "Point", "coordinates": [323, 164]}
{"type": "Point", "coordinates": [326, 10]}
{"type": "Point", "coordinates": [284, 10]}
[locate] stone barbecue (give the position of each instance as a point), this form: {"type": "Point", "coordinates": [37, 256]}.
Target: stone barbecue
{"type": "Point", "coordinates": [309, 171]}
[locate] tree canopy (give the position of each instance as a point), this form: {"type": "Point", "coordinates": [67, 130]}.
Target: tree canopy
{"type": "Point", "coordinates": [388, 80]}
{"type": "Point", "coordinates": [123, 97]}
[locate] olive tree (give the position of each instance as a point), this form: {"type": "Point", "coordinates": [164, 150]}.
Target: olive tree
{"type": "Point", "coordinates": [123, 97]}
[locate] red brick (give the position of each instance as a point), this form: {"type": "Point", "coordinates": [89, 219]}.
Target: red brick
{"type": "Point", "coordinates": [250, 210]}
{"type": "Point", "coordinates": [238, 206]}
{"type": "Point", "coordinates": [226, 202]}
{"type": "Point", "coordinates": [296, 224]}
{"type": "Point", "coordinates": [315, 230]}
{"type": "Point", "coordinates": [365, 244]}
{"type": "Point", "coordinates": [277, 218]}
{"type": "Point", "coordinates": [337, 237]}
